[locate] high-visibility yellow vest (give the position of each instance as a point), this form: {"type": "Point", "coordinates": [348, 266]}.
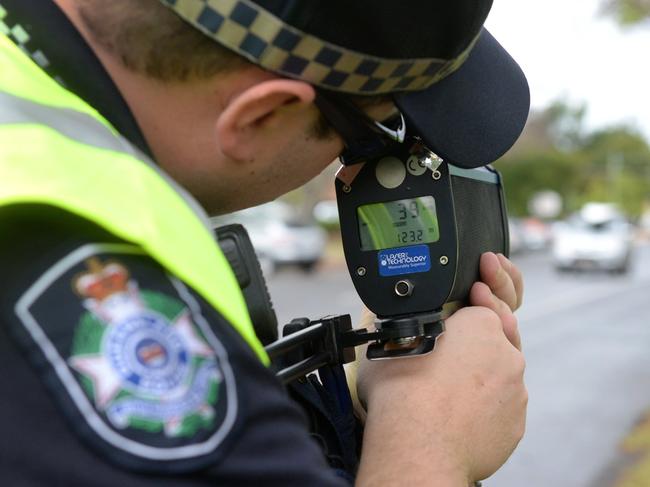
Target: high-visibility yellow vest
{"type": "Point", "coordinates": [55, 149]}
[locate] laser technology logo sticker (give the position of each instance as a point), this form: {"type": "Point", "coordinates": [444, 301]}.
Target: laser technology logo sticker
{"type": "Point", "coordinates": [404, 260]}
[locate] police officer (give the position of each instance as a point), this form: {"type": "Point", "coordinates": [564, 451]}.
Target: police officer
{"type": "Point", "coordinates": [127, 354]}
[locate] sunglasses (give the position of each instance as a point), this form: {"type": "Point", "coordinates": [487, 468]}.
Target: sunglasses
{"type": "Point", "coordinates": [363, 137]}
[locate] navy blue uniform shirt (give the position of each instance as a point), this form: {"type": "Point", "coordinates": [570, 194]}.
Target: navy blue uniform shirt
{"type": "Point", "coordinates": [113, 371]}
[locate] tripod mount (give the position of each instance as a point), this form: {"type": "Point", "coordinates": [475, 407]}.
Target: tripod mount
{"type": "Point", "coordinates": [308, 345]}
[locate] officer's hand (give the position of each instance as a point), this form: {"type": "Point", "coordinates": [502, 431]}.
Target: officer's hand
{"type": "Point", "coordinates": [447, 418]}
{"type": "Point", "coordinates": [501, 290]}
{"type": "Point", "coordinates": [456, 415]}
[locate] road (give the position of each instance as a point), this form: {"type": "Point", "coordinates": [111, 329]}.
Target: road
{"type": "Point", "coordinates": [587, 341]}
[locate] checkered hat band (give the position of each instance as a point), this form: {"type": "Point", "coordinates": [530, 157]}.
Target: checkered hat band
{"type": "Point", "coordinates": [264, 39]}
{"type": "Point", "coordinates": [21, 38]}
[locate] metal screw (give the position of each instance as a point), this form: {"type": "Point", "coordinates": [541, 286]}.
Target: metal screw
{"type": "Point", "coordinates": [436, 175]}
{"type": "Point", "coordinates": [361, 271]}
{"type": "Point", "coordinates": [347, 189]}
{"type": "Point", "coordinates": [444, 260]}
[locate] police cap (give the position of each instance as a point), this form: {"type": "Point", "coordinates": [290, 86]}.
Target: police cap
{"type": "Point", "coordinates": [456, 86]}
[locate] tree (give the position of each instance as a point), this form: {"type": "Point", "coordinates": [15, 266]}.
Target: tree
{"type": "Point", "coordinates": [557, 153]}
{"type": "Point", "coordinates": [527, 174]}
{"type": "Point", "coordinates": [559, 126]}
{"type": "Point", "coordinates": [628, 12]}
{"type": "Point", "coordinates": [545, 157]}
{"type": "Point", "coordinates": [619, 168]}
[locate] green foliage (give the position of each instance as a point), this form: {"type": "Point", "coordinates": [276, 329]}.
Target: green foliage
{"type": "Point", "coordinates": [565, 124]}
{"type": "Point", "coordinates": [628, 12]}
{"type": "Point", "coordinates": [527, 174]}
{"type": "Point", "coordinates": [610, 165]}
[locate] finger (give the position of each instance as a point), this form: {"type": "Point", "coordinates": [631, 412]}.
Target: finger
{"type": "Point", "coordinates": [480, 295]}
{"type": "Point", "coordinates": [499, 281]}
{"type": "Point", "coordinates": [515, 275]}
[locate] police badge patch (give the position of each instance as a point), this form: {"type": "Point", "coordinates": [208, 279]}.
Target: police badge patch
{"type": "Point", "coordinates": [132, 353]}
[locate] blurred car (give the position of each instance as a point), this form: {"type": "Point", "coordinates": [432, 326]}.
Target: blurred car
{"type": "Point", "coordinates": [326, 213]}
{"type": "Point", "coordinates": [278, 237]}
{"type": "Point", "coordinates": [536, 234]}
{"type": "Point", "coordinates": [598, 237]}
{"type": "Point", "coordinates": [516, 235]}
{"type": "Point", "coordinates": [644, 224]}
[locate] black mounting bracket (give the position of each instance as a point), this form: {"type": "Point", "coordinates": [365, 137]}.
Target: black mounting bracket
{"type": "Point", "coordinates": [308, 345]}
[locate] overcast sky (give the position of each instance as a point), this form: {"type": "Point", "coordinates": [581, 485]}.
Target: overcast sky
{"type": "Point", "coordinates": [569, 51]}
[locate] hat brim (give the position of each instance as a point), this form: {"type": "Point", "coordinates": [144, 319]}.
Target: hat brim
{"type": "Point", "coordinates": [473, 116]}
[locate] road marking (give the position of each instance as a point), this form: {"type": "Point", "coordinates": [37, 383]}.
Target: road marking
{"type": "Point", "coordinates": [578, 298]}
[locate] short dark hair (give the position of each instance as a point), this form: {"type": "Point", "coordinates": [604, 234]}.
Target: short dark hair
{"type": "Point", "coordinates": [152, 40]}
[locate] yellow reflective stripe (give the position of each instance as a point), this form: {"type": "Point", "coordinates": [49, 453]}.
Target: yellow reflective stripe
{"type": "Point", "coordinates": [162, 238]}
{"type": "Point", "coordinates": [115, 191]}
{"type": "Point", "coordinates": [20, 76]}
{"type": "Point", "coordinates": [75, 125]}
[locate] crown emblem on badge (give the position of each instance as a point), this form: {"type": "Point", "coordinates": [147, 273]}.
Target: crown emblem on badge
{"type": "Point", "coordinates": [101, 280]}
{"type": "Point", "coordinates": [108, 289]}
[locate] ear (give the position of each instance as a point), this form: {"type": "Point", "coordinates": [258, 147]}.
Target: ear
{"type": "Point", "coordinates": [263, 117]}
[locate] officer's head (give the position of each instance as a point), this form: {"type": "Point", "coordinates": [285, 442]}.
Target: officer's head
{"type": "Point", "coordinates": [243, 100]}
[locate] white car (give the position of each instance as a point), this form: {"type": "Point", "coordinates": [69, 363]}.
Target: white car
{"type": "Point", "coordinates": [516, 236]}
{"type": "Point", "coordinates": [598, 237]}
{"type": "Point", "coordinates": [278, 238]}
